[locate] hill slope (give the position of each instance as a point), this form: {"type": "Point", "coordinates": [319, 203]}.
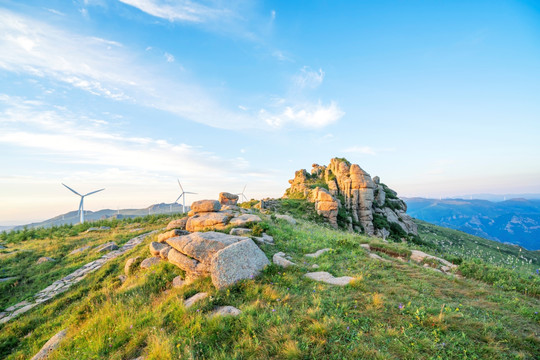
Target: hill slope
{"type": "Point", "coordinates": [394, 309]}
{"type": "Point", "coordinates": [515, 221]}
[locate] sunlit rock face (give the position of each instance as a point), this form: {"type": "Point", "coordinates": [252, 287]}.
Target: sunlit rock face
{"type": "Point", "coordinates": [342, 185]}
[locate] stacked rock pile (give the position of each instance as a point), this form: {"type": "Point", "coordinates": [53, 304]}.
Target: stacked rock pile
{"type": "Point", "coordinates": [225, 258]}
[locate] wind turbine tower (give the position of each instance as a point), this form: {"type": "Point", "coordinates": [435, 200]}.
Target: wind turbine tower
{"type": "Point", "coordinates": [183, 196]}
{"type": "Point", "coordinates": [81, 204]}
{"type": "Point", "coordinates": [242, 196]}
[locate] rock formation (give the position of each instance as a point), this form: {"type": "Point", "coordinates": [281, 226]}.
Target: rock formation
{"type": "Point", "coordinates": [346, 195]}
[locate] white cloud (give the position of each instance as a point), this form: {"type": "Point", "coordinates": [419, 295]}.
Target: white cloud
{"type": "Point", "coordinates": [308, 78]}
{"type": "Point", "coordinates": [273, 15]}
{"type": "Point", "coordinates": [169, 57]}
{"type": "Point", "coordinates": [310, 115]}
{"type": "Point", "coordinates": [106, 68]}
{"type": "Point", "coordinates": [179, 10]}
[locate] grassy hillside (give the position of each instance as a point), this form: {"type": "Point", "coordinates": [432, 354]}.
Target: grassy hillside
{"type": "Point", "coordinates": [393, 310]}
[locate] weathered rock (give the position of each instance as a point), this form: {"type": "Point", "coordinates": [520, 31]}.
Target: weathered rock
{"type": "Point", "coordinates": [264, 239]}
{"type": "Point", "coordinates": [80, 250]}
{"type": "Point", "coordinates": [203, 206]}
{"type": "Point", "coordinates": [149, 262]}
{"type": "Point", "coordinates": [326, 205]}
{"type": "Point", "coordinates": [44, 259]}
{"type": "Point", "coordinates": [195, 298]}
{"type": "Point", "coordinates": [244, 220]}
{"type": "Point", "coordinates": [328, 278]}
{"type": "Point", "coordinates": [365, 246]}
{"type": "Point", "coordinates": [241, 260]}
{"type": "Point", "coordinates": [315, 266]}
{"type": "Point", "coordinates": [226, 198]}
{"type": "Point", "coordinates": [50, 345]}
{"type": "Point", "coordinates": [287, 218]}
{"type": "Point", "coordinates": [280, 259]}
{"type": "Point", "coordinates": [240, 231]}
{"type": "Point", "coordinates": [178, 224]}
{"type": "Point", "coordinates": [172, 233]}
{"type": "Point", "coordinates": [202, 246]}
{"type": "Point", "coordinates": [210, 220]}
{"type": "Point", "coordinates": [192, 267]}
{"type": "Point", "coordinates": [122, 278]}
{"type": "Point", "coordinates": [110, 246]}
{"type": "Point", "coordinates": [362, 196]}
{"type": "Point", "coordinates": [318, 253]}
{"type": "Point", "coordinates": [156, 247]}
{"type": "Point", "coordinates": [164, 253]}
{"type": "Point", "coordinates": [225, 311]}
{"type": "Point", "coordinates": [419, 256]}
{"type": "Point", "coordinates": [131, 265]}
{"type": "Point", "coordinates": [178, 282]}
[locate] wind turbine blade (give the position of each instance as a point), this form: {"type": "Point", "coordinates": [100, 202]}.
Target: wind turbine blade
{"type": "Point", "coordinates": [71, 189]}
{"type": "Point", "coordinates": [93, 192]}
{"type": "Point", "coordinates": [244, 188]}
{"type": "Point", "coordinates": [187, 192]}
{"type": "Point", "coordinates": [181, 188]}
{"type": "Point", "coordinates": [179, 197]}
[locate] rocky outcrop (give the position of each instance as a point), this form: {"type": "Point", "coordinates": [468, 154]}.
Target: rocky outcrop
{"type": "Point", "coordinates": [177, 224]}
{"type": "Point", "coordinates": [326, 205]}
{"type": "Point", "coordinates": [50, 345]}
{"type": "Point", "coordinates": [369, 205]}
{"type": "Point", "coordinates": [225, 258]}
{"type": "Point", "coordinates": [226, 198]}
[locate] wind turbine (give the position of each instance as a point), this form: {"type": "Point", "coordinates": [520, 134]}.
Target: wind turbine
{"type": "Point", "coordinates": [183, 196]}
{"type": "Point", "coordinates": [242, 194]}
{"type": "Point", "coordinates": [81, 204]}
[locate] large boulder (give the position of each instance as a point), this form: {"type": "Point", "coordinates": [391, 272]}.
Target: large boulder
{"type": "Point", "coordinates": [203, 206]}
{"type": "Point", "coordinates": [241, 260]}
{"type": "Point", "coordinates": [326, 205]}
{"type": "Point", "coordinates": [225, 258]}
{"type": "Point", "coordinates": [149, 262]}
{"type": "Point", "coordinates": [131, 265]}
{"type": "Point", "coordinates": [177, 224]}
{"type": "Point", "coordinates": [210, 220]}
{"type": "Point", "coordinates": [226, 198]}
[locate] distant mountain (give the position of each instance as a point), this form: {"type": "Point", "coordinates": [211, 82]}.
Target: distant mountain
{"type": "Point", "coordinates": [498, 197]}
{"type": "Point", "coordinates": [72, 217]}
{"type": "Point", "coordinates": [515, 221]}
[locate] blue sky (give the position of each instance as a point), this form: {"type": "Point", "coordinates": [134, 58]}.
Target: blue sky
{"type": "Point", "coordinates": [437, 98]}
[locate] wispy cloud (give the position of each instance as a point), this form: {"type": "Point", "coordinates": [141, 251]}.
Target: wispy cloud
{"type": "Point", "coordinates": [180, 10]}
{"type": "Point", "coordinates": [106, 68]}
{"type": "Point", "coordinates": [308, 78]}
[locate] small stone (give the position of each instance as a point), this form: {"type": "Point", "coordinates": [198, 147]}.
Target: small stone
{"type": "Point", "coordinates": [377, 257]}
{"type": "Point", "coordinates": [44, 259]}
{"type": "Point", "coordinates": [225, 311]}
{"type": "Point", "coordinates": [281, 260]}
{"type": "Point", "coordinates": [110, 246]}
{"type": "Point", "coordinates": [365, 246]}
{"type": "Point", "coordinates": [149, 262]}
{"type": "Point", "coordinates": [80, 250]}
{"type": "Point", "coordinates": [240, 231]}
{"type": "Point", "coordinates": [195, 298]}
{"type": "Point", "coordinates": [122, 278]}
{"type": "Point", "coordinates": [318, 253]}
{"type": "Point", "coordinates": [315, 266]}
{"type": "Point", "coordinates": [50, 345]}
{"type": "Point", "coordinates": [328, 278]}
{"type": "Point", "coordinates": [178, 282]}
{"type": "Point", "coordinates": [244, 220]}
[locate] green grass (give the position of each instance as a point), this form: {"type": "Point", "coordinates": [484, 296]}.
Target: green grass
{"type": "Point", "coordinates": [394, 310]}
